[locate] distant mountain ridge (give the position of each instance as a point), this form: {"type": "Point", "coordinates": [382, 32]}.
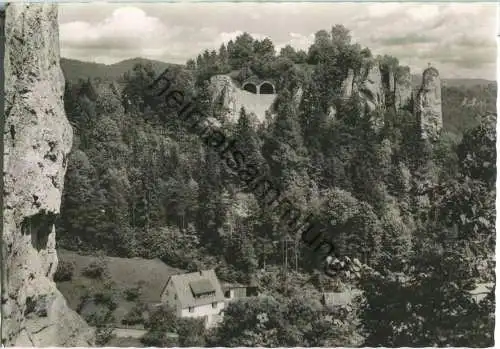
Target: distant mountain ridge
{"type": "Point", "coordinates": [74, 69]}
{"type": "Point", "coordinates": [417, 81]}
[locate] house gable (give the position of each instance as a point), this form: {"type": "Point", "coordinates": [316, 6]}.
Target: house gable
{"type": "Point", "coordinates": [169, 294]}
{"type": "Point", "coordinates": [165, 287]}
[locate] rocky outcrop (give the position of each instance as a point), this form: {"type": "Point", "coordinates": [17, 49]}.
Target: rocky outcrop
{"type": "Point", "coordinates": [37, 143]}
{"type": "Point", "coordinates": [347, 84]}
{"type": "Point", "coordinates": [223, 91]}
{"type": "Point", "coordinates": [391, 81]}
{"type": "Point", "coordinates": [297, 96]}
{"type": "Point", "coordinates": [231, 98]}
{"type": "Point", "coordinates": [428, 104]}
{"type": "Point", "coordinates": [378, 85]}
{"type": "Point", "coordinates": [371, 88]}
{"type": "Point", "coordinates": [402, 88]}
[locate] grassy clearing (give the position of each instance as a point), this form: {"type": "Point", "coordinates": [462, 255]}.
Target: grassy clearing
{"type": "Point", "coordinates": [122, 274]}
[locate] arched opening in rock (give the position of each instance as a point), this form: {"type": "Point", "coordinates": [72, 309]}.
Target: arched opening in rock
{"type": "Point", "coordinates": [267, 88]}
{"type": "Point", "coordinates": [250, 87]}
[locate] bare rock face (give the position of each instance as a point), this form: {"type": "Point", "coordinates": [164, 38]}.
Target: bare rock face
{"type": "Point", "coordinates": [347, 85]}
{"type": "Point", "coordinates": [37, 143]}
{"type": "Point", "coordinates": [297, 96]}
{"type": "Point", "coordinates": [391, 81]}
{"type": "Point", "coordinates": [403, 88]}
{"type": "Point", "coordinates": [371, 88]}
{"type": "Point", "coordinates": [428, 105]}
{"type": "Point", "coordinates": [223, 91]}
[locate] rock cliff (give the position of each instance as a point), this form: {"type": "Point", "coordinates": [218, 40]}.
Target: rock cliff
{"type": "Point", "coordinates": [428, 104]}
{"type": "Point", "coordinates": [391, 81]}
{"type": "Point", "coordinates": [371, 87]}
{"type": "Point", "coordinates": [402, 88]}
{"type": "Point", "coordinates": [37, 142]}
{"type": "Point", "coordinates": [378, 86]}
{"type": "Point", "coordinates": [388, 88]}
{"type": "Point", "coordinates": [347, 84]}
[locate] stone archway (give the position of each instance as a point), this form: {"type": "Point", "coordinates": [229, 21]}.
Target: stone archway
{"type": "Point", "coordinates": [266, 88]}
{"type": "Point", "coordinates": [250, 87]}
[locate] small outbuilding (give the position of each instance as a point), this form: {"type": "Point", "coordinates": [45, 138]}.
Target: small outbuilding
{"type": "Point", "coordinates": [238, 291]}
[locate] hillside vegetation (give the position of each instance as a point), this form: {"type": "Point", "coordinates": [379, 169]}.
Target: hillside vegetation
{"type": "Point", "coordinates": [456, 118]}
{"type": "Point", "coordinates": [419, 216]}
{"type": "Point", "coordinates": [462, 105]}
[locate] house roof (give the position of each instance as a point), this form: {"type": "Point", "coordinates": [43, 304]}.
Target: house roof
{"type": "Point", "coordinates": [198, 283]}
{"type": "Point", "coordinates": [202, 286]}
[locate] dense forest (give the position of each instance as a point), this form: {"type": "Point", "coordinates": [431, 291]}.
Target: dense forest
{"type": "Point", "coordinates": [140, 183]}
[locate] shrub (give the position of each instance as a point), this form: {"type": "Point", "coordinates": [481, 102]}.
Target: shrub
{"type": "Point", "coordinates": [101, 317]}
{"type": "Point", "coordinates": [107, 299]}
{"type": "Point", "coordinates": [191, 332]}
{"type": "Point", "coordinates": [165, 329]}
{"type": "Point", "coordinates": [162, 319]}
{"type": "Point", "coordinates": [96, 270]}
{"type": "Point", "coordinates": [98, 318]}
{"type": "Point", "coordinates": [131, 294]}
{"type": "Point", "coordinates": [64, 271]}
{"type": "Point", "coordinates": [134, 317]}
{"type": "Point", "coordinates": [103, 335]}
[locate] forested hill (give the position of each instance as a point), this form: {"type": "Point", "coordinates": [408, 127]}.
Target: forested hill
{"type": "Point", "coordinates": [74, 69]}
{"type": "Point", "coordinates": [418, 214]}
{"type": "Point", "coordinates": [456, 117]}
{"type": "Point", "coordinates": [462, 104]}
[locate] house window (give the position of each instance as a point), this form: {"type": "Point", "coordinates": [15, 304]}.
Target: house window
{"type": "Point", "coordinates": [214, 305]}
{"type": "Point", "coordinates": [191, 309]}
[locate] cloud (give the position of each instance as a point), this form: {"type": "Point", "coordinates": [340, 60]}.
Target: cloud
{"type": "Point", "coordinates": [382, 10]}
{"type": "Point", "coordinates": [412, 38]}
{"type": "Point", "coordinates": [423, 13]}
{"type": "Point", "coordinates": [457, 38]}
{"type": "Point", "coordinates": [296, 40]}
{"type": "Point", "coordinates": [126, 28]}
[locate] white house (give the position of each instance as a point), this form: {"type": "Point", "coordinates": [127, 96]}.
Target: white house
{"type": "Point", "coordinates": [196, 294]}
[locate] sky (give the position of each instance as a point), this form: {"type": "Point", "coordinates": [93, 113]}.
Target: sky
{"type": "Point", "coordinates": [458, 39]}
